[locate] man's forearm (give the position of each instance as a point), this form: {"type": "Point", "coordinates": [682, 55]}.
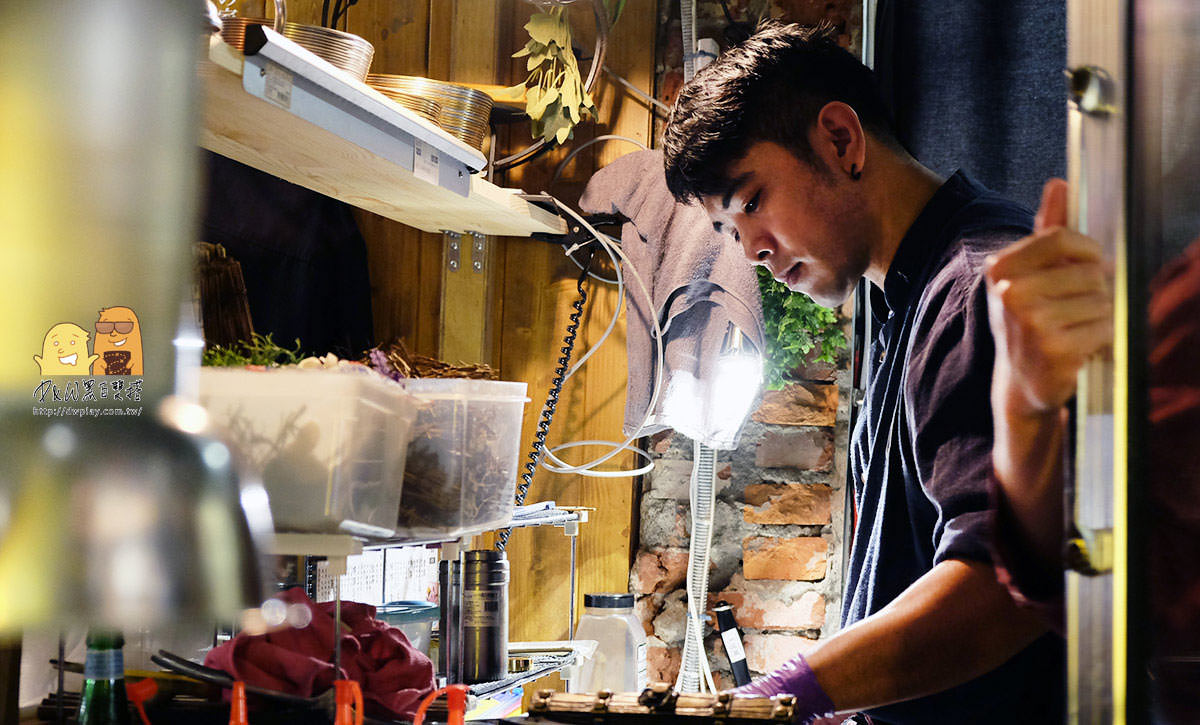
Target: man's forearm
{"type": "Point", "coordinates": [952, 625]}
{"type": "Point", "coordinates": [1027, 459]}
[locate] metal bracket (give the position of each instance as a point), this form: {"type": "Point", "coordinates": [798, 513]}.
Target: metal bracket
{"type": "Point", "coordinates": [478, 252]}
{"type": "Point", "coordinates": [1091, 90]}
{"type": "Point", "coordinates": [1091, 552]}
{"type": "Point", "coordinates": [453, 242]}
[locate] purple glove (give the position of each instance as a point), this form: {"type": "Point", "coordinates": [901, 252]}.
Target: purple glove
{"type": "Point", "coordinates": [793, 678]}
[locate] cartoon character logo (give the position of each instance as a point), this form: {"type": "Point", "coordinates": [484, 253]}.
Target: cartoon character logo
{"type": "Point", "coordinates": [118, 342]}
{"type": "Point", "coordinates": [65, 351]}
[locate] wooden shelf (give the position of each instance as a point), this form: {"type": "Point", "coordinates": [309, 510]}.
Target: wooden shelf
{"type": "Point", "coordinates": [274, 139]}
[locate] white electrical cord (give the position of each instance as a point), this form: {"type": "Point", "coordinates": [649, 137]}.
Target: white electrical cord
{"type": "Point", "coordinates": [550, 461]}
{"type": "Point", "coordinates": [575, 151]}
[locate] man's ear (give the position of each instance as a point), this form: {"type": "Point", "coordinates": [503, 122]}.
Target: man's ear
{"type": "Point", "coordinates": [839, 139]}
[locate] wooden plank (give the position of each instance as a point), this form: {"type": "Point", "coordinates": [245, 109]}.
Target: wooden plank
{"type": "Point", "coordinates": [259, 134]}
{"type": "Point", "coordinates": [535, 317]}
{"type": "Point", "coordinates": [465, 48]}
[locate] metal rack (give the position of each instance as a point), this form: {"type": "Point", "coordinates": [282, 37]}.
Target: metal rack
{"type": "Point", "coordinates": [337, 548]}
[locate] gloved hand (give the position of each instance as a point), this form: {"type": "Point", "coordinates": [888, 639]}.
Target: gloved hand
{"type": "Point", "coordinates": [794, 678]}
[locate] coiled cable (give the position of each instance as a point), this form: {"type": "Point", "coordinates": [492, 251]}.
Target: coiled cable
{"type": "Point", "coordinates": [556, 385]}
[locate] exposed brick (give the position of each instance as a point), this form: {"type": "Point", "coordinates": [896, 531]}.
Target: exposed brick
{"type": "Point", "coordinates": [670, 479]}
{"type": "Point", "coordinates": [768, 652]}
{"type": "Point", "coordinates": [759, 607]}
{"type": "Point", "coordinates": [808, 449]}
{"type": "Point", "coordinates": [661, 441]}
{"type": "Point", "coordinates": [670, 625]}
{"type": "Point", "coordinates": [662, 662]}
{"type": "Point", "coordinates": [803, 558]}
{"type": "Point", "coordinates": [659, 571]}
{"type": "Point", "coordinates": [646, 609]}
{"type": "Point", "coordinates": [799, 404]}
{"type": "Point", "coordinates": [725, 473]}
{"type": "Point", "coordinates": [788, 503]}
{"type": "Point", "coordinates": [722, 679]}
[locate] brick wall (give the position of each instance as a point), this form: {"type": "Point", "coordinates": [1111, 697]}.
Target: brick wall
{"type": "Point", "coordinates": [777, 539]}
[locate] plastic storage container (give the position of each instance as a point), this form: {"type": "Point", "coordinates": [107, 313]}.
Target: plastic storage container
{"type": "Point", "coordinates": [415, 619]}
{"type": "Point", "coordinates": [462, 462]}
{"type": "Point", "coordinates": [619, 663]}
{"type": "Point", "coordinates": [330, 445]}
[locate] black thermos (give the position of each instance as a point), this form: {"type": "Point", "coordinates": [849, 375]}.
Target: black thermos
{"type": "Point", "coordinates": [484, 615]}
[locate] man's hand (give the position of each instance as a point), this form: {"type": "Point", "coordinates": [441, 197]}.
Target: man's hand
{"type": "Point", "coordinates": [1050, 308]}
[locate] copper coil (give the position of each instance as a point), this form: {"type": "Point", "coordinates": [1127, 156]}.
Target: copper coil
{"type": "Point", "coordinates": [464, 111]}
{"type": "Point", "coordinates": [346, 51]}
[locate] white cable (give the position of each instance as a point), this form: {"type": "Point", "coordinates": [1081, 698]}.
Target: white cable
{"type": "Point", "coordinates": [606, 137]}
{"type": "Point", "coordinates": [585, 469]}
{"type": "Point", "coordinates": [549, 460]}
{"type": "Point", "coordinates": [638, 91]}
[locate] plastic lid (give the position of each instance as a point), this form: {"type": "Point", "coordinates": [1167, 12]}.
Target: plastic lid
{"type": "Point", "coordinates": [407, 611]}
{"type": "Point", "coordinates": [608, 600]}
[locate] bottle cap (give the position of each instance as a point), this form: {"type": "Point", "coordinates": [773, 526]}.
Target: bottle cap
{"type": "Point", "coordinates": [608, 600]}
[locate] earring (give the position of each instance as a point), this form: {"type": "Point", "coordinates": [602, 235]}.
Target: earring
{"type": "Point", "coordinates": [854, 172]}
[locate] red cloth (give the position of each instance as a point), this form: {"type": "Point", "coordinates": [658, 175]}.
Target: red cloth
{"type": "Point", "coordinates": [393, 674]}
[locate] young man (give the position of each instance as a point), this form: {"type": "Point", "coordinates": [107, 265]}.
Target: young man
{"type": "Point", "coordinates": [786, 143]}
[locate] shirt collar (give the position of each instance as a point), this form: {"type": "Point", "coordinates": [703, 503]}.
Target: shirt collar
{"type": "Point", "coordinates": [921, 242]}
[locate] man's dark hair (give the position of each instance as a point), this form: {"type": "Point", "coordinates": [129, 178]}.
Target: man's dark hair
{"type": "Point", "coordinates": [769, 88]}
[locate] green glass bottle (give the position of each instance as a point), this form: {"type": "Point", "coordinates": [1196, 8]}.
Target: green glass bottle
{"type": "Point", "coordinates": [104, 699]}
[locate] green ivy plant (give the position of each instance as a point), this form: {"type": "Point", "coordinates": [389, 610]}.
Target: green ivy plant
{"type": "Point", "coordinates": [795, 327]}
{"type": "Point", "coordinates": [258, 350]}
{"type": "Point", "coordinates": [555, 99]}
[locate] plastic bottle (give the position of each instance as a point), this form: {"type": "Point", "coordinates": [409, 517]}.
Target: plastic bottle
{"type": "Point", "coordinates": [620, 660]}
{"type": "Point", "coordinates": [104, 699]}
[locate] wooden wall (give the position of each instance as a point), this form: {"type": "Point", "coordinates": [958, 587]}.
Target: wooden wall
{"type": "Point", "coordinates": [471, 41]}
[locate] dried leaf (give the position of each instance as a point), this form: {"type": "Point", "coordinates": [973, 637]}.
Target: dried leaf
{"type": "Point", "coordinates": [539, 106]}
{"type": "Point", "coordinates": [546, 28]}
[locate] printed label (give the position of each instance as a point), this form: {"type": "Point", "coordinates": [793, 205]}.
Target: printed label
{"type": "Point", "coordinates": [425, 162]}
{"type": "Point", "coordinates": [641, 666]}
{"type": "Point", "coordinates": [278, 88]}
{"type": "Point", "coordinates": [733, 645]}
{"type": "Point", "coordinates": [104, 664]}
{"type": "Point", "coordinates": [480, 609]}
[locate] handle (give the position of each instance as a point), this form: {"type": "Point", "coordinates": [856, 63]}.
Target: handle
{"type": "Point", "coordinates": [456, 705]}
{"type": "Point", "coordinates": [280, 16]}
{"type": "Point", "coordinates": [348, 695]}
{"type": "Point", "coordinates": [140, 691]}
{"type": "Point", "coordinates": [237, 704]}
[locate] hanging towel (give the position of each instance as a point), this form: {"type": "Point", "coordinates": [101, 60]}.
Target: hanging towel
{"type": "Point", "coordinates": [700, 282]}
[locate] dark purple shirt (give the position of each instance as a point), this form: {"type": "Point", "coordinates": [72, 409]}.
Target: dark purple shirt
{"type": "Point", "coordinates": [921, 452]}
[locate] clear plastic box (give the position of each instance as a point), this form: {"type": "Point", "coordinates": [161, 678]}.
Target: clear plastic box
{"type": "Point", "coordinates": [462, 463]}
{"type": "Point", "coordinates": [330, 445]}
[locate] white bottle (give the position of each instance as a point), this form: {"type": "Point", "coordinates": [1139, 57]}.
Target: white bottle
{"type": "Point", "coordinates": [620, 660]}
